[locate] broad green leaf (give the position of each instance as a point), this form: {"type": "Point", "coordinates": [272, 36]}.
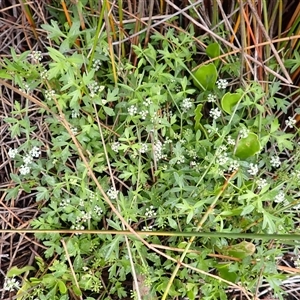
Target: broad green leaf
{"type": "Point", "coordinates": [62, 287]}
{"type": "Point", "coordinates": [213, 51]}
{"type": "Point", "coordinates": [225, 273]}
{"type": "Point", "coordinates": [229, 100]}
{"type": "Point", "coordinates": [241, 250]}
{"type": "Point", "coordinates": [247, 146]}
{"type": "Point", "coordinates": [205, 77]}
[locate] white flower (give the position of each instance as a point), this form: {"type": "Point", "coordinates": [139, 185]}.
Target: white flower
{"type": "Point", "coordinates": [234, 165]}
{"type": "Point", "coordinates": [211, 98]}
{"type": "Point", "coordinates": [112, 193]}
{"type": "Point", "coordinates": [280, 197]}
{"type": "Point", "coordinates": [290, 122]}
{"type": "Point", "coordinates": [150, 212]}
{"type": "Point", "coordinates": [186, 104]}
{"type": "Point", "coordinates": [24, 170]}
{"type": "Point", "coordinates": [275, 161]}
{"type": "Point", "coordinates": [230, 140]}
{"type": "Point", "coordinates": [94, 88]}
{"type": "Point", "coordinates": [132, 110]}
{"type": "Point", "coordinates": [222, 159]}
{"type": "Point", "coordinates": [261, 183]}
{"type": "Point", "coordinates": [98, 210]}
{"type": "Point", "coordinates": [158, 150]}
{"type": "Point", "coordinates": [49, 94]}
{"type": "Point", "coordinates": [44, 74]}
{"type": "Point", "coordinates": [75, 114]}
{"type": "Point", "coordinates": [96, 64]}
{"type": "Point", "coordinates": [12, 152]}
{"type": "Point", "coordinates": [144, 148]}
{"type": "Point", "coordinates": [115, 146]}
{"type": "Point", "coordinates": [36, 56]}
{"type": "Point", "coordinates": [27, 159]}
{"type": "Point", "coordinates": [11, 284]}
{"type": "Point", "coordinates": [35, 152]}
{"type": "Point", "coordinates": [147, 228]}
{"type": "Point", "coordinates": [74, 130]}
{"type": "Point", "coordinates": [147, 102]}
{"type": "Point", "coordinates": [244, 132]}
{"type": "Point", "coordinates": [215, 113]}
{"type": "Point", "coordinates": [222, 84]}
{"type": "Point", "coordinates": [143, 114]}
{"type": "Point", "coordinates": [253, 169]}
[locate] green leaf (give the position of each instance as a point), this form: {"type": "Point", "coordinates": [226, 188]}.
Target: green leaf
{"type": "Point", "coordinates": [248, 146]}
{"type": "Point", "coordinates": [213, 51]}
{"type": "Point", "coordinates": [229, 100]}
{"type": "Point", "coordinates": [198, 116]}
{"type": "Point", "coordinates": [224, 272]}
{"type": "Point", "coordinates": [205, 77]}
{"type": "Point", "coordinates": [109, 111]}
{"type": "Point", "coordinates": [62, 287]}
{"type": "Point", "coordinates": [241, 250]}
{"type": "Point", "coordinates": [15, 271]}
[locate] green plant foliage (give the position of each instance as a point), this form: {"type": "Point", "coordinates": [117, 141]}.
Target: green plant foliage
{"type": "Point", "coordinates": [205, 77]}
{"type": "Point", "coordinates": [229, 100]}
{"type": "Point", "coordinates": [247, 146]}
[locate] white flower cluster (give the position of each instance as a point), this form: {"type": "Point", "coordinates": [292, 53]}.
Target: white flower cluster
{"type": "Point", "coordinates": [132, 110]}
{"type": "Point", "coordinates": [144, 148]}
{"type": "Point", "coordinates": [280, 197]}
{"type": "Point", "coordinates": [261, 183]}
{"type": "Point", "coordinates": [158, 148]}
{"type": "Point", "coordinates": [77, 227]}
{"type": "Point", "coordinates": [244, 132]}
{"type": "Point", "coordinates": [234, 165]}
{"type": "Point", "coordinates": [186, 104]}
{"type": "Point", "coordinates": [96, 64]}
{"type": "Point", "coordinates": [49, 94]}
{"type": "Point", "coordinates": [215, 113]}
{"type": "Point", "coordinates": [275, 161]}
{"type": "Point", "coordinates": [147, 228]}
{"type": "Point", "coordinates": [44, 74]}
{"type": "Point", "coordinates": [115, 146]}
{"type": "Point", "coordinates": [11, 284]}
{"type": "Point", "coordinates": [253, 169]}
{"type": "Point", "coordinates": [211, 98]}
{"type": "Point", "coordinates": [75, 114]}
{"type": "Point", "coordinates": [150, 212]}
{"type": "Point", "coordinates": [230, 140]}
{"type": "Point", "coordinates": [143, 114]}
{"type": "Point", "coordinates": [95, 88]}
{"type": "Point", "coordinates": [290, 122]}
{"type": "Point", "coordinates": [147, 102]}
{"type": "Point", "coordinates": [222, 159]}
{"type": "Point", "coordinates": [112, 193]}
{"type": "Point", "coordinates": [98, 210]}
{"type": "Point", "coordinates": [12, 152]}
{"type": "Point", "coordinates": [27, 159]}
{"type": "Point", "coordinates": [36, 56]}
{"type": "Point", "coordinates": [222, 84]}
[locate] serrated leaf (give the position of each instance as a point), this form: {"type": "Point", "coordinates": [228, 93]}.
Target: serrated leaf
{"type": "Point", "coordinates": [198, 116]}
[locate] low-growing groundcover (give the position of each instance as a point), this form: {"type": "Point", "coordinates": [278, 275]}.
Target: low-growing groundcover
{"type": "Point", "coordinates": [173, 147]}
